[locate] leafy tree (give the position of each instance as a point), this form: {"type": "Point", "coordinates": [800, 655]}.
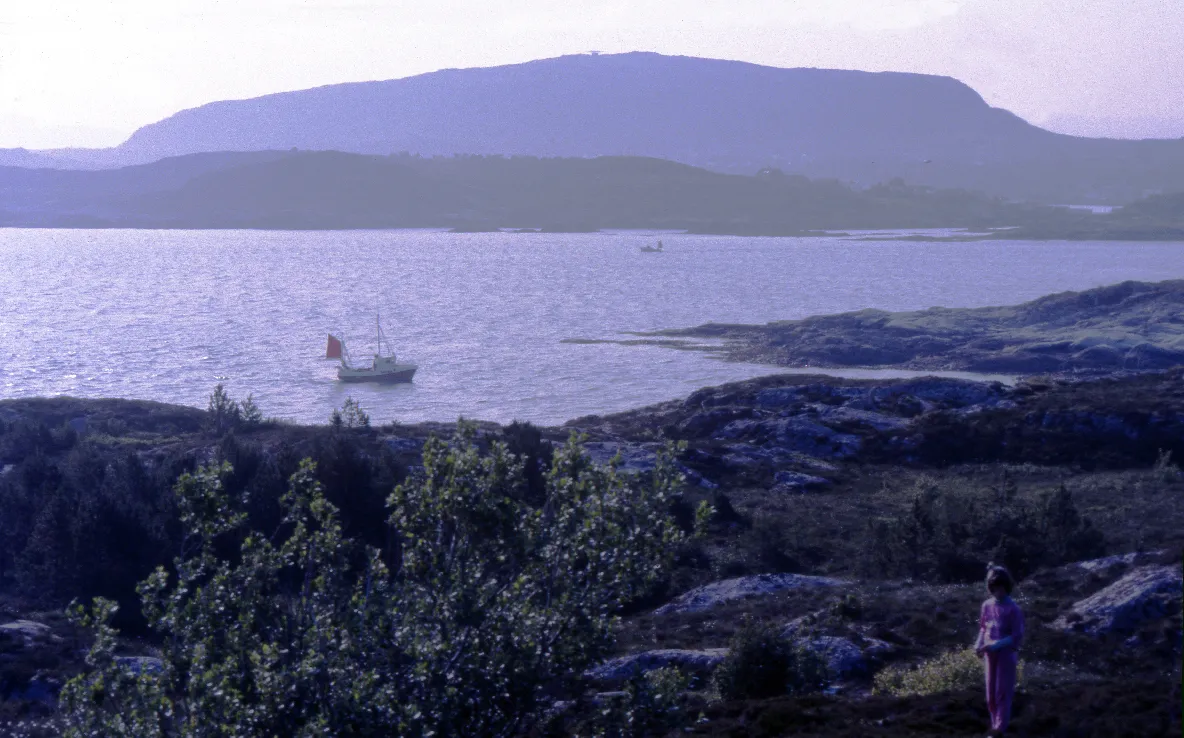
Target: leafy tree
{"type": "Point", "coordinates": [482, 602]}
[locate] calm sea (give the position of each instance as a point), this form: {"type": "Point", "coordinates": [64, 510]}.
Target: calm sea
{"type": "Point", "coordinates": [165, 315]}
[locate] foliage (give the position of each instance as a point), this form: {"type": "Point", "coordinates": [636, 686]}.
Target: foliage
{"type": "Point", "coordinates": [767, 546]}
{"type": "Point", "coordinates": [224, 412]}
{"type": "Point", "coordinates": [351, 415]}
{"type": "Point", "coordinates": [762, 663]}
{"type": "Point", "coordinates": [249, 412]}
{"type": "Point", "coordinates": [480, 602]}
{"type": "Point", "coordinates": [949, 672]}
{"type": "Point", "coordinates": [651, 705]}
{"type": "Point", "coordinates": [949, 535]}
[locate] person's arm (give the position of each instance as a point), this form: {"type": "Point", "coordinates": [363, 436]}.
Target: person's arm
{"type": "Point", "coordinates": [980, 642]}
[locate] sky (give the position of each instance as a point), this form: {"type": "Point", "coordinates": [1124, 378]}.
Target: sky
{"type": "Point", "coordinates": [89, 72]}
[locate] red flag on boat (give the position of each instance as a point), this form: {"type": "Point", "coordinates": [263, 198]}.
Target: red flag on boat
{"type": "Point", "coordinates": [333, 350]}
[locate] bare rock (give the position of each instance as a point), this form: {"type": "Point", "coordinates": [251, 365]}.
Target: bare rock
{"type": "Point", "coordinates": [710, 595]}
{"type": "Point", "coordinates": [622, 668]}
{"type": "Point", "coordinates": [1097, 566]}
{"type": "Point", "coordinates": [790, 481]}
{"type": "Point", "coordinates": [28, 632]}
{"type": "Point", "coordinates": [1145, 594]}
{"type": "Point", "coordinates": [634, 459]}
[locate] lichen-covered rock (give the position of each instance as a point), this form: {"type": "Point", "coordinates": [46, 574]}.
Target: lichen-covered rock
{"type": "Point", "coordinates": [624, 667]}
{"type": "Point", "coordinates": [1143, 595]}
{"type": "Point", "coordinates": [710, 595]}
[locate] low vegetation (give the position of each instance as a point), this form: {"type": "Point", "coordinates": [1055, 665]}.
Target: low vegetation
{"type": "Point", "coordinates": [243, 571]}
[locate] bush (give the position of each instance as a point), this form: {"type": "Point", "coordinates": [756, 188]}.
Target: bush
{"type": "Point", "coordinates": [651, 704]}
{"type": "Point", "coordinates": [481, 603]}
{"type": "Point", "coordinates": [949, 535]}
{"type": "Point", "coordinates": [761, 663]}
{"type": "Point", "coordinates": [950, 672]}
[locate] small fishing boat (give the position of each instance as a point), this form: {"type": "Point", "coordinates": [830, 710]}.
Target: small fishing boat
{"type": "Point", "coordinates": [384, 367]}
{"type": "Point", "coordinates": [652, 249]}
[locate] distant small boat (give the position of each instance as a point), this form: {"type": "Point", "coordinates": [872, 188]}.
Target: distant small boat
{"type": "Point", "coordinates": [652, 249]}
{"type": "Point", "coordinates": [384, 368]}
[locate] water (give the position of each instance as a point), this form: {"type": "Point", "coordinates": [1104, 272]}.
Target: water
{"type": "Point", "coordinates": [165, 315]}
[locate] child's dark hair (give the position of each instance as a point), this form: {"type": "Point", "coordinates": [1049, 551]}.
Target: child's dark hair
{"type": "Point", "coordinates": [999, 576]}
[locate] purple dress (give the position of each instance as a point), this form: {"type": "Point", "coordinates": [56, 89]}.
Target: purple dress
{"type": "Point", "coordinates": [1000, 619]}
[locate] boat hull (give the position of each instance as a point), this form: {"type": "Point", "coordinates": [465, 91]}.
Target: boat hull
{"type": "Point", "coordinates": [398, 376]}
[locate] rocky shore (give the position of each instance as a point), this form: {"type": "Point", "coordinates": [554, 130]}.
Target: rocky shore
{"type": "Point", "coordinates": [1129, 326]}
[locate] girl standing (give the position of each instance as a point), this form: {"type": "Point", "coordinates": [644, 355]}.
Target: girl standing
{"type": "Point", "coordinates": [1000, 634]}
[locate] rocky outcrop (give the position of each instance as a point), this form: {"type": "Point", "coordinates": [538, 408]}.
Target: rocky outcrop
{"type": "Point", "coordinates": [1144, 595]}
{"type": "Point", "coordinates": [717, 593]}
{"type": "Point", "coordinates": [1132, 325]}
{"type": "Point", "coordinates": [633, 459]}
{"type": "Point", "coordinates": [794, 482]}
{"type": "Point", "coordinates": [1110, 563]}
{"type": "Point", "coordinates": [625, 667]}
{"type": "Point", "coordinates": [28, 632]}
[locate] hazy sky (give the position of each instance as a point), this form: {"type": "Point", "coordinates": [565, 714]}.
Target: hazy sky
{"type": "Point", "coordinates": [88, 72]}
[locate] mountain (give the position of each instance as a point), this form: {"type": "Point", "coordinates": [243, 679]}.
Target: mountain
{"type": "Point", "coordinates": [333, 190]}
{"type": "Point", "coordinates": [725, 116]}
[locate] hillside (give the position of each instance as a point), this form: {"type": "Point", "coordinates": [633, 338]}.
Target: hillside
{"type": "Point", "coordinates": [338, 190]}
{"type": "Point", "coordinates": [726, 116]}
{"type": "Point", "coordinates": [853, 518]}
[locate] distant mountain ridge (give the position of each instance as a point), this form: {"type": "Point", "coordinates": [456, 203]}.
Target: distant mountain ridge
{"type": "Point", "coordinates": [725, 116]}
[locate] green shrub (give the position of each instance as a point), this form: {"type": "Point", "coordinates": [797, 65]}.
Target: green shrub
{"type": "Point", "coordinates": [950, 534]}
{"type": "Point", "coordinates": [949, 672]}
{"type": "Point", "coordinates": [480, 604]}
{"type": "Point", "coordinates": [651, 704]}
{"type": "Point", "coordinates": [761, 663]}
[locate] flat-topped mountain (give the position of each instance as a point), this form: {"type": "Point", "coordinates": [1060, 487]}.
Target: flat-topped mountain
{"type": "Point", "coordinates": [726, 116]}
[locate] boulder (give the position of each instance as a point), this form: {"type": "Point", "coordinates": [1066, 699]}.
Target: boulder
{"type": "Point", "coordinates": [624, 667]}
{"type": "Point", "coordinates": [842, 657]}
{"type": "Point", "coordinates": [1145, 594]}
{"type": "Point", "coordinates": [715, 593]}
{"type": "Point", "coordinates": [791, 481]}
{"type": "Point", "coordinates": [28, 632]}
{"type": "Point", "coordinates": [1105, 564]}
